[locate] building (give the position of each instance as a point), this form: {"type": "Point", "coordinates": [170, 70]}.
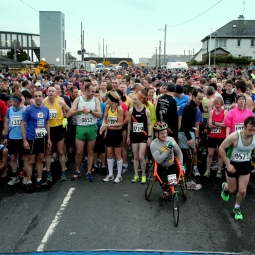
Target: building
{"type": "Point", "coordinates": [52, 37]}
{"type": "Point", "coordinates": [236, 38]}
{"type": "Point", "coordinates": [16, 41]}
{"type": "Point", "coordinates": [157, 60]}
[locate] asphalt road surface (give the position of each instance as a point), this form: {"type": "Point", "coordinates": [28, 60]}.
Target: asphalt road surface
{"type": "Point", "coordinates": [87, 216]}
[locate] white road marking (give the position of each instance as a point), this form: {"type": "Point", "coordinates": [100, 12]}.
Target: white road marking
{"type": "Point", "coordinates": [56, 220]}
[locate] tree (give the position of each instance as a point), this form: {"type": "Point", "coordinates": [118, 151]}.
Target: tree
{"type": "Point", "coordinates": [21, 55]}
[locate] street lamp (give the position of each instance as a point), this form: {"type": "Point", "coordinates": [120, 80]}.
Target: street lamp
{"type": "Point", "coordinates": [215, 34]}
{"type": "Point", "coordinates": [57, 60]}
{"type": "Point", "coordinates": [164, 45]}
{"type": "Point", "coordinates": [156, 57]}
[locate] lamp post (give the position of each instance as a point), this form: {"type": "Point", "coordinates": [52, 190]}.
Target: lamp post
{"type": "Point", "coordinates": [156, 57]}
{"type": "Point", "coordinates": [215, 34]}
{"type": "Point", "coordinates": [164, 44]}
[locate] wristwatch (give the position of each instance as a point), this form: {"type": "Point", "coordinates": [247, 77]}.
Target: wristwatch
{"type": "Point", "coordinates": [90, 111]}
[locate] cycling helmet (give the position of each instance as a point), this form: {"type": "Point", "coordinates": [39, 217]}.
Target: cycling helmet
{"type": "Point", "coordinates": [159, 126]}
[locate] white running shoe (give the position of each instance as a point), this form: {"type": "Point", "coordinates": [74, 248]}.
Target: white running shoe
{"type": "Point", "coordinates": [196, 172]}
{"type": "Point", "coordinates": [13, 181]}
{"type": "Point", "coordinates": [118, 179]}
{"type": "Point", "coordinates": [193, 185]}
{"type": "Point", "coordinates": [108, 178]}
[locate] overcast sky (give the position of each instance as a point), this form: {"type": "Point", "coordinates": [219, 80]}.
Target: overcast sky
{"type": "Point", "coordinates": [128, 26]}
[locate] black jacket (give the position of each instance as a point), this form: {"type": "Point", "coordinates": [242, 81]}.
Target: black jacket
{"type": "Point", "coordinates": [167, 106]}
{"type": "Point", "coordinates": [188, 119]}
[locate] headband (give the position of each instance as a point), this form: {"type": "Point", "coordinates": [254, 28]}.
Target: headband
{"type": "Point", "coordinates": [16, 99]}
{"type": "Point", "coordinates": [113, 99]}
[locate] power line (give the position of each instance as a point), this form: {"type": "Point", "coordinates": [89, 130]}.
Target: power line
{"type": "Point", "coordinates": [54, 20]}
{"type": "Point", "coordinates": [196, 16]}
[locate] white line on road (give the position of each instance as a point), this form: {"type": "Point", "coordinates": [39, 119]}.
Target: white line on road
{"type": "Point", "coordinates": [56, 220]}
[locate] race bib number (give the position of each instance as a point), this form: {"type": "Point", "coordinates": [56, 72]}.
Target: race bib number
{"type": "Point", "coordinates": [242, 156]}
{"type": "Point", "coordinates": [86, 119]}
{"type": "Point", "coordinates": [238, 127]}
{"type": "Point", "coordinates": [16, 121]}
{"type": "Point", "coordinates": [40, 132]}
{"type": "Point", "coordinates": [216, 130]}
{"type": "Point", "coordinates": [172, 178]}
{"type": "Point", "coordinates": [112, 120]}
{"type": "Point", "coordinates": [137, 127]}
{"type": "Point", "coordinates": [53, 114]}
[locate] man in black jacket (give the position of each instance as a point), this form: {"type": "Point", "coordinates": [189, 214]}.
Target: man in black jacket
{"type": "Point", "coordinates": [189, 134]}
{"type": "Point", "coordinates": [166, 111]}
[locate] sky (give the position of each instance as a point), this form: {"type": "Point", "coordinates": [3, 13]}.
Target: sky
{"type": "Point", "coordinates": [129, 27]}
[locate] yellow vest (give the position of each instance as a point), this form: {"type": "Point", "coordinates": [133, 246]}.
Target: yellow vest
{"type": "Point", "coordinates": [56, 113]}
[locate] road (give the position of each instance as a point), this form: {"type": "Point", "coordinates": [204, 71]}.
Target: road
{"type": "Point", "coordinates": [87, 216]}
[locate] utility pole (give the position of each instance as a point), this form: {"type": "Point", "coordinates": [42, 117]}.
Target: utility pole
{"type": "Point", "coordinates": [165, 47]}
{"type": "Point", "coordinates": [159, 54]}
{"type": "Point", "coordinates": [103, 50]}
{"type": "Point", "coordinates": [156, 57]}
{"type": "Point", "coordinates": [209, 64]}
{"type": "Point", "coordinates": [99, 47]}
{"type": "Point", "coordinates": [106, 52]}
{"type": "Point", "coordinates": [81, 42]}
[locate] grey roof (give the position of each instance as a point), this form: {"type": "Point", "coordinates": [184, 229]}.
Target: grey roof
{"type": "Point", "coordinates": [235, 29]}
{"type": "Point", "coordinates": [219, 50]}
{"type": "Point", "coordinates": [9, 62]}
{"type": "Point", "coordinates": [196, 54]}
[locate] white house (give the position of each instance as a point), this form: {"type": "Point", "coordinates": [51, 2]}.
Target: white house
{"type": "Point", "coordinates": [236, 37]}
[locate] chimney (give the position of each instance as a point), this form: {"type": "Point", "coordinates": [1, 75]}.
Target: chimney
{"type": "Point", "coordinates": [241, 17]}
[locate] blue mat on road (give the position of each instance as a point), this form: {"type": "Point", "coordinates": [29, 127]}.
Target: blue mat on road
{"type": "Point", "coordinates": [118, 253]}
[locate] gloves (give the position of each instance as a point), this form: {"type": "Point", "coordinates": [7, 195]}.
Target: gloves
{"type": "Point", "coordinates": [170, 146]}
{"type": "Point", "coordinates": [64, 122]}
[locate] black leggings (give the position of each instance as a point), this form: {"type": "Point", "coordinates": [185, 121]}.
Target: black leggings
{"type": "Point", "coordinates": [163, 172]}
{"type": "Point", "coordinates": [188, 160]}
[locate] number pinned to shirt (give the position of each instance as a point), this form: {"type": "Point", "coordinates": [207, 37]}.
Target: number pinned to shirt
{"type": "Point", "coordinates": [137, 127]}
{"type": "Point", "coordinates": [216, 130]}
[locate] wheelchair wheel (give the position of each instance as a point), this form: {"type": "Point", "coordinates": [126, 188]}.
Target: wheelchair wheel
{"type": "Point", "coordinates": [184, 188]}
{"type": "Point", "coordinates": [149, 182]}
{"type": "Point", "coordinates": [175, 209]}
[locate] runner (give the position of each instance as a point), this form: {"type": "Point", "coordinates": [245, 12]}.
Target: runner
{"type": "Point", "coordinates": [217, 134]}
{"type": "Point", "coordinates": [13, 137]}
{"type": "Point", "coordinates": [112, 125]}
{"type": "Point", "coordinates": [235, 118]}
{"type": "Point", "coordinates": [240, 145]}
{"type": "Point", "coordinates": [139, 134]}
{"type": "Point", "coordinates": [36, 120]}
{"type": "Point", "coordinates": [56, 108]}
{"type": "Point", "coordinates": [87, 110]}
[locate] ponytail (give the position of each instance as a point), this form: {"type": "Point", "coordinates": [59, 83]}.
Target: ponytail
{"type": "Point", "coordinates": [143, 98]}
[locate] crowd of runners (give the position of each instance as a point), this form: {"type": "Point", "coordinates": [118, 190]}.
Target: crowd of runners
{"type": "Point", "coordinates": [103, 118]}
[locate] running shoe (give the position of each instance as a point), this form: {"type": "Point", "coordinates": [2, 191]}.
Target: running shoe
{"type": "Point", "coordinates": [24, 181]}
{"type": "Point", "coordinates": [38, 184]}
{"type": "Point", "coordinates": [63, 176]}
{"type": "Point", "coordinates": [143, 179]}
{"type": "Point", "coordinates": [196, 172]}
{"type": "Point", "coordinates": [207, 173]}
{"type": "Point", "coordinates": [118, 179]}
{"type": "Point", "coordinates": [224, 193]}
{"type": "Point", "coordinates": [124, 169]}
{"type": "Point", "coordinates": [30, 187]}
{"type": "Point", "coordinates": [22, 174]}
{"type": "Point", "coordinates": [135, 179]}
{"type": "Point", "coordinates": [238, 214]}
{"type": "Point", "coordinates": [48, 177]}
{"type": "Point", "coordinates": [193, 185]}
{"type": "Point", "coordinates": [108, 178]}
{"type": "Point", "coordinates": [219, 174]}
{"type": "Point", "coordinates": [13, 181]}
{"type": "Point", "coordinates": [89, 177]}
{"type": "Point", "coordinates": [76, 176]}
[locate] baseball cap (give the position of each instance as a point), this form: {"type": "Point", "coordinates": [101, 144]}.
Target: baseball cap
{"type": "Point", "coordinates": [179, 89]}
{"type": "Point", "coordinates": [171, 87]}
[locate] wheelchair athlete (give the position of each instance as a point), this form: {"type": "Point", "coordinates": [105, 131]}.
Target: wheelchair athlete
{"type": "Point", "coordinates": [163, 150]}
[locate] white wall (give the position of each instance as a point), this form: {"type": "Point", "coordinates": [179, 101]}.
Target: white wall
{"type": "Point", "coordinates": [52, 39]}
{"type": "Point", "coordinates": [231, 45]}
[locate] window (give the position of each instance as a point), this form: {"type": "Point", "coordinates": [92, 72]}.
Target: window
{"type": "Point", "coordinates": [238, 42]}
{"type": "Point", "coordinates": [252, 43]}
{"type": "Point", "coordinates": [221, 43]}
{"type": "Point", "coordinates": [63, 22]}
{"type": "Point", "coordinates": [24, 37]}
{"type": "Point", "coordinates": [3, 40]}
{"type": "Point", "coordinates": [14, 40]}
{"type": "Point", "coordinates": [29, 41]}
{"type": "Point", "coordinates": [8, 40]}
{"type": "Point", "coordinates": [63, 38]}
{"type": "Point", "coordinates": [19, 44]}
